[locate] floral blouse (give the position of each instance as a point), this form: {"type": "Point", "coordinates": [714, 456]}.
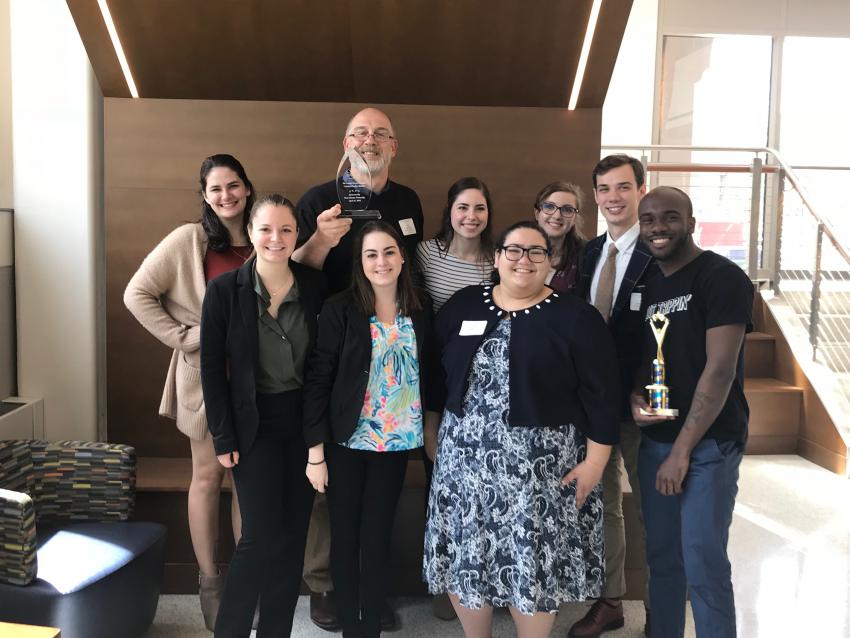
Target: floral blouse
{"type": "Point", "coordinates": [391, 418]}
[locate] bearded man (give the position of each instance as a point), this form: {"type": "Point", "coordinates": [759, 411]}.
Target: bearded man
{"type": "Point", "coordinates": [325, 240]}
{"type": "Point", "coordinates": [324, 237]}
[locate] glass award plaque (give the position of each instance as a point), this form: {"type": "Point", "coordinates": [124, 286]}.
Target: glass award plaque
{"type": "Point", "coordinates": [354, 196]}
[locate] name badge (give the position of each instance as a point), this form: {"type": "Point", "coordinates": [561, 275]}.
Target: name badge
{"type": "Point", "coordinates": [407, 226]}
{"type": "Point", "coordinates": [634, 301]}
{"type": "Point", "coordinates": [468, 328]}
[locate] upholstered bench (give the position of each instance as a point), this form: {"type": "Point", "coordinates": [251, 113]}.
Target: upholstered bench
{"type": "Point", "coordinates": [84, 567]}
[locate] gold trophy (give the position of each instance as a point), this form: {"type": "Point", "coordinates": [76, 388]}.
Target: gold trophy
{"type": "Point", "coordinates": [659, 393]}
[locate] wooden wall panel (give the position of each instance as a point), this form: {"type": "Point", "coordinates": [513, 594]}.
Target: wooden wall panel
{"type": "Point", "coordinates": [95, 37]}
{"type": "Point", "coordinates": [613, 17]}
{"type": "Point", "coordinates": [153, 149]}
{"type": "Point", "coordinates": [494, 53]}
{"type": "Point", "coordinates": [253, 49]}
{"type": "Point", "coordinates": [441, 52]}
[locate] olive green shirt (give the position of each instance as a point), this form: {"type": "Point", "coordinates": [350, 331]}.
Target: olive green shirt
{"type": "Point", "coordinates": [282, 342]}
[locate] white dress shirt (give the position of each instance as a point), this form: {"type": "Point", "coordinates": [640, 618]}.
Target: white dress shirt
{"type": "Point", "coordinates": [625, 247]}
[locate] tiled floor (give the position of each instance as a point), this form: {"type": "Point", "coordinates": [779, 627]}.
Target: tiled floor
{"type": "Point", "coordinates": [790, 551]}
{"type": "Point", "coordinates": [178, 617]}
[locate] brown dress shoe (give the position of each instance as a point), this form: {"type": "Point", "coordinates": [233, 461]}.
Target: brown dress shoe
{"type": "Point", "coordinates": [323, 611]}
{"type": "Point", "coordinates": [604, 615]}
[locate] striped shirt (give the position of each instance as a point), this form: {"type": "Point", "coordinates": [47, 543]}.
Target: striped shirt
{"type": "Point", "coordinates": [442, 275]}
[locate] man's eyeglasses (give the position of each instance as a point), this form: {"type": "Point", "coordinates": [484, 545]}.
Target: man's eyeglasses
{"type": "Point", "coordinates": [380, 136]}
{"type": "Point", "coordinates": [536, 254]}
{"type": "Point", "coordinates": [549, 208]}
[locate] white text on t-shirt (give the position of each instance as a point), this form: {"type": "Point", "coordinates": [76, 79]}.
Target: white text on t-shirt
{"type": "Point", "coordinates": [677, 304]}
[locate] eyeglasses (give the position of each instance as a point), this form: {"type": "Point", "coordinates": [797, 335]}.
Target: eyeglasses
{"type": "Point", "coordinates": [380, 136]}
{"type": "Point", "coordinates": [549, 208]}
{"type": "Point", "coordinates": [536, 254]}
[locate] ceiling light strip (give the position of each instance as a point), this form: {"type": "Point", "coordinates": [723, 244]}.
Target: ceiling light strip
{"type": "Point", "coordinates": [119, 50]}
{"type": "Point", "coordinates": [585, 53]}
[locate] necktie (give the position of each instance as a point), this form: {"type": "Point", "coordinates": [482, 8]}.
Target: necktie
{"type": "Point", "coordinates": [605, 288]}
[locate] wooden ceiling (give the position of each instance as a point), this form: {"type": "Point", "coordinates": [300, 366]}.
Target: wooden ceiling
{"type": "Point", "coordinates": [440, 52]}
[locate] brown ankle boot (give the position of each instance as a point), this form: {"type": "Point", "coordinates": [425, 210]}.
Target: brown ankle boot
{"type": "Point", "coordinates": [210, 588]}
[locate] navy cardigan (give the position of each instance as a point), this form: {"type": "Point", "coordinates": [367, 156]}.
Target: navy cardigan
{"type": "Point", "coordinates": [563, 367]}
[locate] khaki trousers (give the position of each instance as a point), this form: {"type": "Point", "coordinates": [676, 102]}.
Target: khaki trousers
{"type": "Point", "coordinates": [623, 456]}
{"type": "Point", "coordinates": [317, 553]}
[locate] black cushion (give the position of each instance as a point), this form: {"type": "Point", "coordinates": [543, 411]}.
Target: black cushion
{"type": "Point", "coordinates": [95, 580]}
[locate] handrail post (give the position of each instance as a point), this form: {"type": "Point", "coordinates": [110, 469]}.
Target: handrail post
{"type": "Point", "coordinates": [772, 235]}
{"type": "Point", "coordinates": [814, 315]}
{"type": "Point", "coordinates": [755, 218]}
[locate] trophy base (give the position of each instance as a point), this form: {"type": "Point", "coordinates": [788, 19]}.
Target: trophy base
{"type": "Point", "coordinates": [660, 412]}
{"type": "Point", "coordinates": [369, 215]}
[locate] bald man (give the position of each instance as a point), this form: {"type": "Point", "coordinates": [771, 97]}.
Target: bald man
{"type": "Point", "coordinates": [325, 242]}
{"type": "Point", "coordinates": [688, 465]}
{"type": "Point", "coordinates": [324, 238]}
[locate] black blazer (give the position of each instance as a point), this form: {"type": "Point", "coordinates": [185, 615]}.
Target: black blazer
{"type": "Point", "coordinates": [338, 373]}
{"type": "Point", "coordinates": [626, 325]}
{"type": "Point", "coordinates": [229, 350]}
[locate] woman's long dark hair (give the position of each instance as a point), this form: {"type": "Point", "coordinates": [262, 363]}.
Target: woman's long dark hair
{"type": "Point", "coordinates": [446, 233]}
{"type": "Point", "coordinates": [364, 296]}
{"type": "Point", "coordinates": [218, 237]}
{"type": "Point", "coordinates": [500, 243]}
{"type": "Point", "coordinates": [573, 241]}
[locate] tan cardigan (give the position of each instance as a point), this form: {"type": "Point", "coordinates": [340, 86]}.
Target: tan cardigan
{"type": "Point", "coordinates": [165, 296]}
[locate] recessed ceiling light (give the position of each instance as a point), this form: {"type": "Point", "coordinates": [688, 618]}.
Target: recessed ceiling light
{"type": "Point", "coordinates": [585, 53]}
{"type": "Point", "coordinates": [119, 50]}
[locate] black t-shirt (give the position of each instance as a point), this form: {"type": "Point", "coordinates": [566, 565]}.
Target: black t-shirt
{"type": "Point", "coordinates": [399, 206]}
{"type": "Point", "coordinates": [710, 291]}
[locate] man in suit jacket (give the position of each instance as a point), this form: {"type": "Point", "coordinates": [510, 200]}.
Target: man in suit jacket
{"type": "Point", "coordinates": [612, 277]}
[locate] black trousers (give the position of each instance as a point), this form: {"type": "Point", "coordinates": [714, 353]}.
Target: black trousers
{"type": "Point", "coordinates": [363, 492]}
{"type": "Point", "coordinates": [275, 499]}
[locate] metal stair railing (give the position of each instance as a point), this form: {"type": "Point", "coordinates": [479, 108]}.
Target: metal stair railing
{"type": "Point", "coordinates": [785, 244]}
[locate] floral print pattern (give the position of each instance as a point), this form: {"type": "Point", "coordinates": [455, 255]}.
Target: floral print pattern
{"type": "Point", "coordinates": [391, 418]}
{"type": "Point", "coordinates": [501, 528]}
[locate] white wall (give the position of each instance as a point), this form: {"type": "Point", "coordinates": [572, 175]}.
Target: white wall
{"type": "Point", "coordinates": [8, 369]}
{"type": "Point", "coordinates": [5, 113]}
{"type": "Point", "coordinates": [57, 130]}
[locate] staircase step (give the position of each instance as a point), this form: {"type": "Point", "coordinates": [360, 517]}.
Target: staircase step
{"type": "Point", "coordinates": [831, 303]}
{"type": "Point", "coordinates": [758, 354]}
{"type": "Point", "coordinates": [775, 413]}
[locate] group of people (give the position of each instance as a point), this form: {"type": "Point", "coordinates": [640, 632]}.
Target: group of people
{"type": "Point", "coordinates": [314, 352]}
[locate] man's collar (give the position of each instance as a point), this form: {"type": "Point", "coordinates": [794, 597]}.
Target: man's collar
{"type": "Point", "coordinates": [626, 241]}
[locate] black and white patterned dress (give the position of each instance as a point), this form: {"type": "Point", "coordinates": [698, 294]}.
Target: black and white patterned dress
{"type": "Point", "coordinates": [501, 528]}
